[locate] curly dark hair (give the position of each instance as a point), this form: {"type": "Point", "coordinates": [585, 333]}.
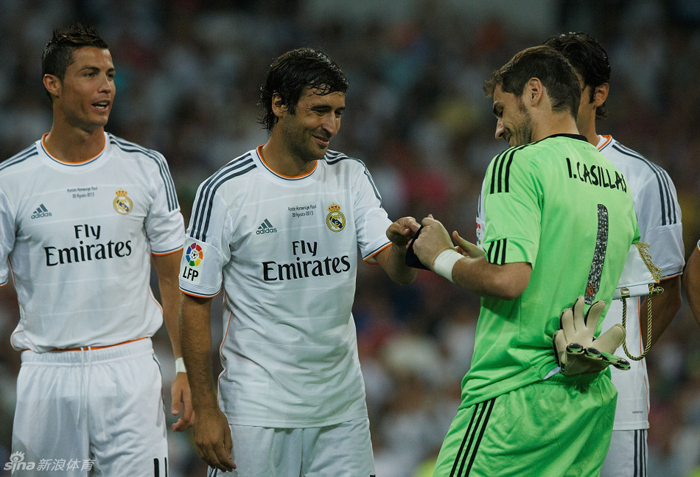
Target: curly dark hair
{"type": "Point", "coordinates": [295, 70]}
{"type": "Point", "coordinates": [588, 58]}
{"type": "Point", "coordinates": [550, 67]}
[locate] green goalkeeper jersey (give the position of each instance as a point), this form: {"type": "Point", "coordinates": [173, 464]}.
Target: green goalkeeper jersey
{"type": "Point", "coordinates": [561, 206]}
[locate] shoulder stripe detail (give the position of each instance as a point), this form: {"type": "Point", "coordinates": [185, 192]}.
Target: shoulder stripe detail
{"type": "Point", "coordinates": [500, 174]}
{"type": "Point", "coordinates": [472, 439]}
{"type": "Point", "coordinates": [205, 202]}
{"type": "Point", "coordinates": [496, 253]}
{"type": "Point", "coordinates": [333, 157]}
{"type": "Point", "coordinates": [20, 157]}
{"type": "Point", "coordinates": [158, 158]}
{"type": "Point", "coordinates": [669, 214]}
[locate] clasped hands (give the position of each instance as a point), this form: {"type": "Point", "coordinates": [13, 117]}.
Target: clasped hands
{"type": "Point", "coordinates": [428, 239]}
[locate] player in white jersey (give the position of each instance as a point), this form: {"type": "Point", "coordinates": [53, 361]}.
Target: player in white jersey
{"type": "Point", "coordinates": [659, 218]}
{"type": "Point", "coordinates": [81, 214]}
{"type": "Point", "coordinates": [279, 227]}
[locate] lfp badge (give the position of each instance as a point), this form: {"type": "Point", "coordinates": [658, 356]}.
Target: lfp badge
{"type": "Point", "coordinates": [335, 220]}
{"type": "Point", "coordinates": [194, 256]}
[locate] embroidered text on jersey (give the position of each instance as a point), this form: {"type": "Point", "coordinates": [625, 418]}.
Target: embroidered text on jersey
{"type": "Point", "coordinates": [306, 265]}
{"type": "Point", "coordinates": [596, 175]}
{"type": "Point", "coordinates": [87, 249]}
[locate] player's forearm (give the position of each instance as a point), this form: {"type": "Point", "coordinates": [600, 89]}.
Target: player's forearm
{"type": "Point", "coordinates": [168, 267]}
{"type": "Point", "coordinates": [477, 275]}
{"type": "Point", "coordinates": [395, 265]}
{"type": "Point", "coordinates": [170, 295]}
{"type": "Point", "coordinates": [691, 282]}
{"type": "Point", "coordinates": [196, 347]}
{"type": "Point", "coordinates": [664, 308]}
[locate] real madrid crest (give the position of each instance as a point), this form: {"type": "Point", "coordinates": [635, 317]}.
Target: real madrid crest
{"type": "Point", "coordinates": [335, 220]}
{"type": "Point", "coordinates": [122, 203]}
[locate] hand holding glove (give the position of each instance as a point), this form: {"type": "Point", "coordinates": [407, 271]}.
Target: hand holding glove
{"type": "Point", "coordinates": [575, 346]}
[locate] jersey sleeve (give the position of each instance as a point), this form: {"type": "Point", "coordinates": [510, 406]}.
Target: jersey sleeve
{"type": "Point", "coordinates": [511, 211]}
{"type": "Point", "coordinates": [371, 220]}
{"type": "Point", "coordinates": [659, 218]}
{"type": "Point", "coordinates": [165, 226]}
{"type": "Point", "coordinates": [206, 245]}
{"type": "Point", "coordinates": [7, 237]}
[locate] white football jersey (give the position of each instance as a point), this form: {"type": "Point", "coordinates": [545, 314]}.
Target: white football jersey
{"type": "Point", "coordinates": [78, 239]}
{"type": "Point", "coordinates": [659, 218]}
{"type": "Point", "coordinates": [285, 249]}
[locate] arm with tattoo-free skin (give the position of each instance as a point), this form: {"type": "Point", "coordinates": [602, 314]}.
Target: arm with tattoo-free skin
{"type": "Point", "coordinates": [168, 268]}
{"type": "Point", "coordinates": [472, 271]}
{"type": "Point", "coordinates": [212, 435]}
{"type": "Point", "coordinates": [664, 307]}
{"type": "Point", "coordinates": [393, 259]}
{"type": "Point", "coordinates": [691, 282]}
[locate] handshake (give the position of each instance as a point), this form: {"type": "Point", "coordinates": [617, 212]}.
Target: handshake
{"type": "Point", "coordinates": [577, 350]}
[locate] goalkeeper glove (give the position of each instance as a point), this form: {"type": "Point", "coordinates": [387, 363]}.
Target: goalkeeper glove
{"type": "Point", "coordinates": [577, 350]}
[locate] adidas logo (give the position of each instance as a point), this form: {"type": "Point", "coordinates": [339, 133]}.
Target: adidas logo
{"type": "Point", "coordinates": [266, 228]}
{"type": "Point", "coordinates": [40, 212]}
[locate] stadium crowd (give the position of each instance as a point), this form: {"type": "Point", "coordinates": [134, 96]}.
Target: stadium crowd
{"type": "Point", "coordinates": [187, 73]}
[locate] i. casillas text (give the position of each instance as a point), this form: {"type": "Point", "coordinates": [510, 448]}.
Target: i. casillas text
{"type": "Point", "coordinates": [596, 175]}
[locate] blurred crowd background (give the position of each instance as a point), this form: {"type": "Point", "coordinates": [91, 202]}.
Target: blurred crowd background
{"type": "Point", "coordinates": [188, 74]}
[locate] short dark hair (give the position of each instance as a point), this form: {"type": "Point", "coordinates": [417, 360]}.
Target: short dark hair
{"type": "Point", "coordinates": [589, 59]}
{"type": "Point", "coordinates": [58, 52]}
{"type": "Point", "coordinates": [295, 70]}
{"type": "Point", "coordinates": [550, 67]}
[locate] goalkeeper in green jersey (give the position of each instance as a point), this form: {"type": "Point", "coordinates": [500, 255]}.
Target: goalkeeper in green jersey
{"type": "Point", "coordinates": [558, 223]}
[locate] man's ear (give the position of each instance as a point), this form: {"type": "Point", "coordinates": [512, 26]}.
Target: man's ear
{"type": "Point", "coordinates": [53, 85]}
{"type": "Point", "coordinates": [278, 105]}
{"type": "Point", "coordinates": [534, 91]}
{"type": "Point", "coordinates": [600, 94]}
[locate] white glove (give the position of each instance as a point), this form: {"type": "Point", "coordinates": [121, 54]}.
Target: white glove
{"type": "Point", "coordinates": [575, 346]}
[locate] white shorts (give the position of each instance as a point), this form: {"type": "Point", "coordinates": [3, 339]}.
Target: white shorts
{"type": "Point", "coordinates": [91, 412]}
{"type": "Point", "coordinates": [627, 456]}
{"type": "Point", "coordinates": [341, 450]}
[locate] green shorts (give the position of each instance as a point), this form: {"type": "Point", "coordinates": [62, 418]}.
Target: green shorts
{"type": "Point", "coordinates": [558, 427]}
